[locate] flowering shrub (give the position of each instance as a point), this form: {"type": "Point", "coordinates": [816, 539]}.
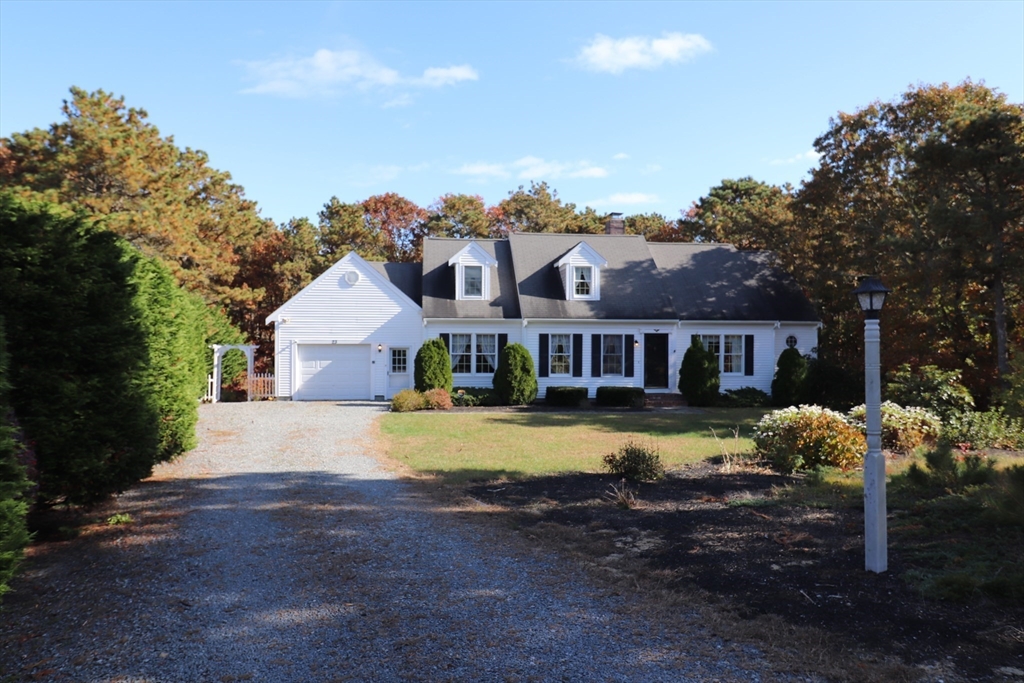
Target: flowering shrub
{"type": "Point", "coordinates": [804, 437]}
{"type": "Point", "coordinates": [903, 429]}
{"type": "Point", "coordinates": [408, 400]}
{"type": "Point", "coordinates": [437, 399]}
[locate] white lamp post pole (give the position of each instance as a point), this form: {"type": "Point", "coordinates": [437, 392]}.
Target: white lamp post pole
{"type": "Point", "coordinates": [871, 293]}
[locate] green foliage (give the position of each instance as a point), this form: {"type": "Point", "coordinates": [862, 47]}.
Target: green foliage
{"type": "Point", "coordinates": [514, 379]}
{"type": "Point", "coordinates": [437, 399]}
{"type": "Point", "coordinates": [408, 400]}
{"type": "Point", "coordinates": [540, 210]}
{"type": "Point", "coordinates": [1011, 395]}
{"type": "Point", "coordinates": [940, 391]}
{"type": "Point", "coordinates": [789, 378]}
{"type": "Point", "coordinates": [77, 352]}
{"type": "Point", "coordinates": [947, 472]}
{"type": "Point", "coordinates": [636, 460]}
{"type": "Point", "coordinates": [746, 213]}
{"type": "Point", "coordinates": [829, 384]}
{"type": "Point", "coordinates": [992, 429]}
{"type": "Point", "coordinates": [119, 519]}
{"type": "Point", "coordinates": [804, 437]}
{"type": "Point", "coordinates": [566, 397]}
{"type": "Point", "coordinates": [903, 429]}
{"type": "Point", "coordinates": [620, 397]}
{"type": "Point", "coordinates": [698, 375]}
{"type": "Point", "coordinates": [14, 534]}
{"type": "Point", "coordinates": [747, 397]}
{"type": "Point", "coordinates": [475, 396]}
{"type": "Point", "coordinates": [432, 368]}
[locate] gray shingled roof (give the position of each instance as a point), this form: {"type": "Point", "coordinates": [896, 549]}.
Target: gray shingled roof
{"type": "Point", "coordinates": [408, 277]}
{"type": "Point", "coordinates": [718, 282]}
{"type": "Point", "coordinates": [439, 282]}
{"type": "Point", "coordinates": [631, 288]}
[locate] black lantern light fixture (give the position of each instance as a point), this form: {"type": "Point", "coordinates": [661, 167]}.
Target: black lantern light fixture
{"type": "Point", "coordinates": [871, 294]}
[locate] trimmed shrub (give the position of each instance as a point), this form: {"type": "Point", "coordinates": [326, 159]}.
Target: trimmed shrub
{"type": "Point", "coordinates": [747, 397]}
{"type": "Point", "coordinates": [437, 399]}
{"type": "Point", "coordinates": [636, 460]}
{"type": "Point", "coordinates": [804, 437]}
{"type": "Point", "coordinates": [432, 368]}
{"type": "Point", "coordinates": [790, 374]}
{"type": "Point", "coordinates": [514, 380]}
{"type": "Point", "coordinates": [566, 397]}
{"type": "Point", "coordinates": [698, 375]}
{"type": "Point", "coordinates": [407, 401]}
{"type": "Point", "coordinates": [940, 391]}
{"type": "Point", "coordinates": [14, 534]}
{"type": "Point", "coordinates": [620, 397]}
{"type": "Point", "coordinates": [903, 429]}
{"type": "Point", "coordinates": [993, 429]}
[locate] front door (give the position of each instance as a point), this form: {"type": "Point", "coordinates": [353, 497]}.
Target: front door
{"type": "Point", "coordinates": [656, 361]}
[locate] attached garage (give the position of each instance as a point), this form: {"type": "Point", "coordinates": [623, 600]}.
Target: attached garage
{"type": "Point", "coordinates": [333, 372]}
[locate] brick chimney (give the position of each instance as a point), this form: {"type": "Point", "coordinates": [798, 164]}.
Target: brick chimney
{"type": "Point", "coordinates": [615, 224]}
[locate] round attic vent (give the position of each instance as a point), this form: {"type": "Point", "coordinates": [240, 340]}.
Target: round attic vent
{"type": "Point", "coordinates": [352, 277]}
{"type": "Point", "coordinates": [791, 341]}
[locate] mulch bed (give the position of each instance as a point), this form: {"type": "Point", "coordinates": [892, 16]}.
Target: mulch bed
{"type": "Point", "coordinates": [802, 564]}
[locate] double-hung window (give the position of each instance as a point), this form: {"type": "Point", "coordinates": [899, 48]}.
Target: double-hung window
{"type": "Point", "coordinates": [561, 354]}
{"type": "Point", "coordinates": [611, 354]}
{"type": "Point", "coordinates": [583, 280]}
{"type": "Point", "coordinates": [474, 353]}
{"type": "Point", "coordinates": [728, 351]}
{"type": "Point", "coordinates": [473, 282]}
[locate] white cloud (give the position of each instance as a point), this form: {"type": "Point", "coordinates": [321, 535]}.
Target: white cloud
{"type": "Point", "coordinates": [533, 168]}
{"type": "Point", "coordinates": [625, 198]}
{"type": "Point", "coordinates": [328, 72]}
{"type": "Point", "coordinates": [810, 155]}
{"type": "Point", "coordinates": [482, 170]}
{"type": "Point", "coordinates": [614, 56]}
{"type": "Point", "coordinates": [620, 156]}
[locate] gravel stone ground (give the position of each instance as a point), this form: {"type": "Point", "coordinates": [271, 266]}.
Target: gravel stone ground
{"type": "Point", "coordinates": [280, 550]}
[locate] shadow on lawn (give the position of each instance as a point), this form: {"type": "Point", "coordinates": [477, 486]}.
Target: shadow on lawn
{"type": "Point", "coordinates": [722, 420]}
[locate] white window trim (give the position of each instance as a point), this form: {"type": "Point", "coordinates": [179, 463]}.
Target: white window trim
{"type": "Point", "coordinates": [622, 356]}
{"type": "Point", "coordinates": [473, 354]}
{"type": "Point", "coordinates": [483, 281]}
{"type": "Point", "coordinates": [472, 255]}
{"type": "Point", "coordinates": [582, 255]}
{"type": "Point", "coordinates": [721, 352]}
{"type": "Point", "coordinates": [552, 354]}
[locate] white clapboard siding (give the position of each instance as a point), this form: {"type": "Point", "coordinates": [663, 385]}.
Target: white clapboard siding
{"type": "Point", "coordinates": [586, 328]}
{"type": "Point", "coordinates": [513, 328]}
{"type": "Point", "coordinates": [350, 304]}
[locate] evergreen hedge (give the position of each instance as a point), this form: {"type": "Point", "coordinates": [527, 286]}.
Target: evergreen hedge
{"type": "Point", "coordinates": [433, 366]}
{"type": "Point", "coordinates": [698, 375]}
{"type": "Point", "coordinates": [14, 534]}
{"type": "Point", "coordinates": [514, 379]}
{"type": "Point", "coordinates": [620, 397]}
{"type": "Point", "coordinates": [788, 382]}
{"type": "Point", "coordinates": [566, 397]}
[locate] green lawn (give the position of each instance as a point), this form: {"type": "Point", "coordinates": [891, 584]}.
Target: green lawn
{"type": "Point", "coordinates": [471, 445]}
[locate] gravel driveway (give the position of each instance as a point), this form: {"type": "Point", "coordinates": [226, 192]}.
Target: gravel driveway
{"type": "Point", "coordinates": [279, 550]}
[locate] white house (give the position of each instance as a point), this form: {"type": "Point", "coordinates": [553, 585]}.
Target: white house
{"type": "Point", "coordinates": [593, 310]}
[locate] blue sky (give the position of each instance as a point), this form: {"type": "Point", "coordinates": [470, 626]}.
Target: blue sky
{"type": "Point", "coordinates": [624, 107]}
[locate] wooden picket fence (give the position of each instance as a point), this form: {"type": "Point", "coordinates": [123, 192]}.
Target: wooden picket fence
{"type": "Point", "coordinates": [261, 387]}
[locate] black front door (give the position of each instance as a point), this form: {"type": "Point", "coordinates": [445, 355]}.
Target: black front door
{"type": "Point", "coordinates": [656, 361]}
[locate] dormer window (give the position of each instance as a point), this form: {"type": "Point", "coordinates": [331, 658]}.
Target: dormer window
{"type": "Point", "coordinates": [473, 282]}
{"type": "Point", "coordinates": [473, 267]}
{"type": "Point", "coordinates": [583, 278]}
{"type": "Point", "coordinates": [580, 271]}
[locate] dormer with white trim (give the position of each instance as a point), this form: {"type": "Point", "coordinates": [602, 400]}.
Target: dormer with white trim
{"type": "Point", "coordinates": [580, 270]}
{"type": "Point", "coordinates": [473, 267]}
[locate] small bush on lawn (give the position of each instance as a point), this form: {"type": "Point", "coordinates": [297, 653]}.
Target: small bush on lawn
{"type": "Point", "coordinates": [620, 397]}
{"type": "Point", "coordinates": [407, 401]}
{"type": "Point", "coordinates": [437, 399]}
{"type": "Point", "coordinates": [789, 378]}
{"type": "Point", "coordinates": [698, 375]}
{"type": "Point", "coordinates": [993, 429]}
{"type": "Point", "coordinates": [514, 380]}
{"type": "Point", "coordinates": [460, 399]}
{"type": "Point", "coordinates": [432, 368]}
{"type": "Point", "coordinates": [804, 437]}
{"type": "Point", "coordinates": [940, 391]}
{"type": "Point", "coordinates": [566, 397]}
{"type": "Point", "coordinates": [951, 473]}
{"type": "Point", "coordinates": [903, 429]}
{"type": "Point", "coordinates": [747, 397]}
{"type": "Point", "coordinates": [636, 460]}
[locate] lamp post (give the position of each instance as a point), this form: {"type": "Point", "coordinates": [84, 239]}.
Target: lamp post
{"type": "Point", "coordinates": [871, 294]}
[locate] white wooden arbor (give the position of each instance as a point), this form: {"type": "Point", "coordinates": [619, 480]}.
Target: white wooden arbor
{"type": "Point", "coordinates": [218, 355]}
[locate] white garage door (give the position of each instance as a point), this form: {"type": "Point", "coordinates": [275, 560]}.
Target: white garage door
{"type": "Point", "coordinates": [333, 372]}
